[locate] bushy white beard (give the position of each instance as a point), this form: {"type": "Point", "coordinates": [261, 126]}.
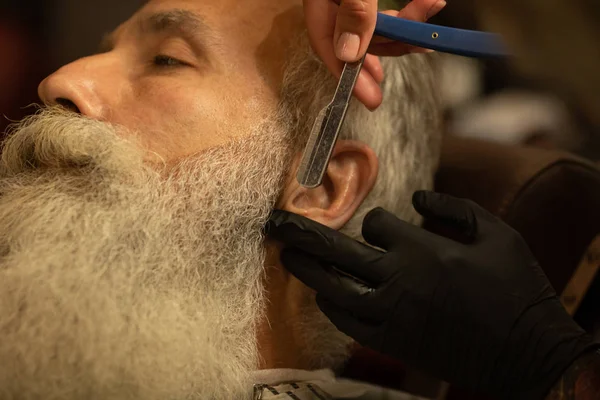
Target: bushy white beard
{"type": "Point", "coordinates": [119, 280]}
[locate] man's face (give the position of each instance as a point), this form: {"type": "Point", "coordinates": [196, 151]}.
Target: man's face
{"type": "Point", "coordinates": [127, 279]}
{"type": "Point", "coordinates": [187, 74]}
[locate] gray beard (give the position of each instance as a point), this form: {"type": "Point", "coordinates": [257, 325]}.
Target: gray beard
{"type": "Point", "coordinates": [124, 279]}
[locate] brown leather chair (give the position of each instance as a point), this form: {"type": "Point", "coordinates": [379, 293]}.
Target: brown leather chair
{"type": "Point", "coordinates": [552, 198]}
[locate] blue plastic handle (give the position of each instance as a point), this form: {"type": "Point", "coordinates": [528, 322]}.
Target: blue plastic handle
{"type": "Point", "coordinates": [441, 38]}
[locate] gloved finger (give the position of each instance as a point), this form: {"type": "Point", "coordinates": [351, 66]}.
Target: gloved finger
{"type": "Point", "coordinates": [328, 245]}
{"type": "Point", "coordinates": [354, 28]}
{"type": "Point", "coordinates": [460, 214]}
{"type": "Point", "coordinates": [322, 278]}
{"type": "Point", "coordinates": [383, 229]}
{"type": "Point", "coordinates": [344, 320]}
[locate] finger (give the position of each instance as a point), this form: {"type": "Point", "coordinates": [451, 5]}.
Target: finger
{"type": "Point", "coordinates": [416, 10]}
{"type": "Point", "coordinates": [344, 321]}
{"type": "Point", "coordinates": [323, 278]}
{"type": "Point", "coordinates": [420, 10]}
{"type": "Point", "coordinates": [368, 91]}
{"type": "Point", "coordinates": [460, 214]}
{"type": "Point", "coordinates": [320, 17]}
{"type": "Point", "coordinates": [383, 229]}
{"type": "Point", "coordinates": [396, 49]}
{"type": "Point", "coordinates": [354, 28]}
{"type": "Point", "coordinates": [373, 66]}
{"type": "Point", "coordinates": [330, 246]}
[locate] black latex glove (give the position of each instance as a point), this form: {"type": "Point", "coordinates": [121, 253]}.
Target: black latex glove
{"type": "Point", "coordinates": [481, 315]}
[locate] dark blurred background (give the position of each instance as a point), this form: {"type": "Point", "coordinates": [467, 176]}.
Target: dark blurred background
{"type": "Point", "coordinates": [39, 36]}
{"type": "Point", "coordinates": [485, 99]}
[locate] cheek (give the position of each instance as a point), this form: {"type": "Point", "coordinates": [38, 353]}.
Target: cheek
{"type": "Point", "coordinates": [178, 121]}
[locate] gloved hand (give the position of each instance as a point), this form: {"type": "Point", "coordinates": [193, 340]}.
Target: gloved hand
{"type": "Point", "coordinates": [479, 313]}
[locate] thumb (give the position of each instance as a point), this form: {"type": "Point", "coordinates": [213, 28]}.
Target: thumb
{"type": "Point", "coordinates": [354, 28]}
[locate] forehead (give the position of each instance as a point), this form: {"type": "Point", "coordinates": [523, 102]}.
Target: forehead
{"type": "Point", "coordinates": [250, 22]}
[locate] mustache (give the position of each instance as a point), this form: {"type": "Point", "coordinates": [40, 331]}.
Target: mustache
{"type": "Point", "coordinates": [57, 139]}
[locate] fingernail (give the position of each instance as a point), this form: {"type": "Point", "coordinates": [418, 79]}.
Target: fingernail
{"type": "Point", "coordinates": [347, 47]}
{"type": "Point", "coordinates": [436, 8]}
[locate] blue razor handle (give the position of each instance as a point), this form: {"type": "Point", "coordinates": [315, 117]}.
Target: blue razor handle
{"type": "Point", "coordinates": [441, 38]}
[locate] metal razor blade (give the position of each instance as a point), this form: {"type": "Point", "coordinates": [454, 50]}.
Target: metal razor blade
{"type": "Point", "coordinates": [326, 129]}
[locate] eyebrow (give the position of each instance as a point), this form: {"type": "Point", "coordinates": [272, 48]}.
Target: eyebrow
{"type": "Point", "coordinates": [176, 21]}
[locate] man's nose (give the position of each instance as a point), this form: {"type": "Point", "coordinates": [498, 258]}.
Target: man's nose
{"type": "Point", "coordinates": [88, 86]}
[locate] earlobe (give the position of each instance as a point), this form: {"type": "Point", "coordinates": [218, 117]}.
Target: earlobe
{"type": "Point", "coordinates": [348, 180]}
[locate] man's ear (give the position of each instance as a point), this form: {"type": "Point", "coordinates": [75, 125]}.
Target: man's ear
{"type": "Point", "coordinates": [349, 178]}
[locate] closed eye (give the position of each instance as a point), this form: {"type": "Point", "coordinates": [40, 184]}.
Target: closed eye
{"type": "Point", "coordinates": [168, 62]}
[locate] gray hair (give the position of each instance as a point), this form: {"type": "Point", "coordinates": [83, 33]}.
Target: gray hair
{"type": "Point", "coordinates": [404, 132]}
